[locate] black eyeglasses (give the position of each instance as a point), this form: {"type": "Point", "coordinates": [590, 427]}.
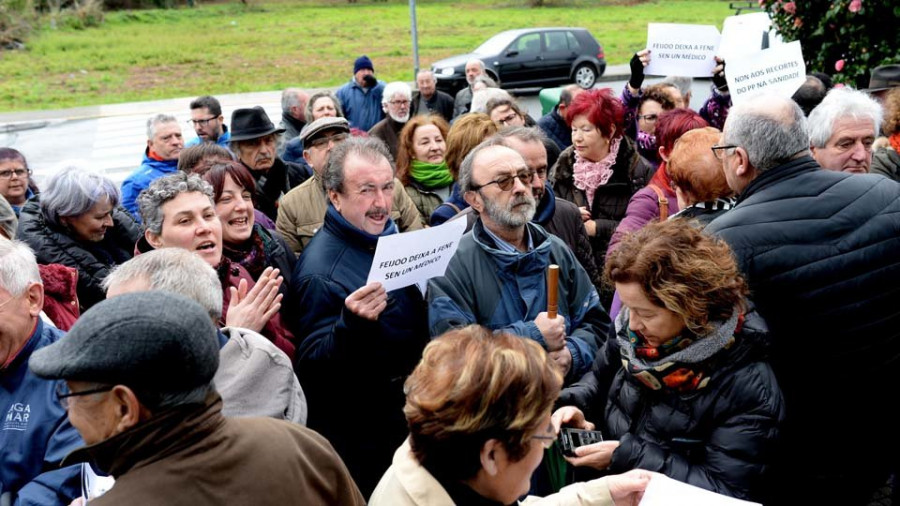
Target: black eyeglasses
{"type": "Point", "coordinates": [505, 183]}
{"type": "Point", "coordinates": [323, 141]}
{"type": "Point", "coordinates": [63, 393]}
{"type": "Point", "coordinates": [201, 122]}
{"type": "Point", "coordinates": [649, 117]}
{"type": "Point", "coordinates": [719, 151]}
{"type": "Point", "coordinates": [8, 174]}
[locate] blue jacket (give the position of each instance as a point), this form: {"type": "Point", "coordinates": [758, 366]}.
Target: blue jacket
{"type": "Point", "coordinates": [351, 367]}
{"type": "Point", "coordinates": [506, 291]}
{"type": "Point", "coordinates": [223, 139]}
{"type": "Point", "coordinates": [140, 179]}
{"type": "Point", "coordinates": [35, 433]}
{"type": "Point", "coordinates": [450, 208]}
{"type": "Point", "coordinates": [362, 107]}
{"type": "Point", "coordinates": [556, 129]}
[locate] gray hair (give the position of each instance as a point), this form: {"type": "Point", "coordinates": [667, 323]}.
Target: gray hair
{"type": "Point", "coordinates": [173, 270]}
{"type": "Point", "coordinates": [481, 97]}
{"type": "Point", "coordinates": [73, 191]}
{"type": "Point", "coordinates": [164, 189]}
{"type": "Point", "coordinates": [9, 222]}
{"type": "Point", "coordinates": [465, 168]}
{"type": "Point", "coordinates": [681, 82]}
{"type": "Point", "coordinates": [478, 61]}
{"type": "Point", "coordinates": [18, 267]}
{"type": "Point", "coordinates": [842, 103]}
{"type": "Point", "coordinates": [483, 78]}
{"type": "Point", "coordinates": [524, 134]}
{"type": "Point", "coordinates": [368, 148]}
{"type": "Point", "coordinates": [290, 97]}
{"type": "Point", "coordinates": [425, 72]}
{"type": "Point", "coordinates": [158, 120]}
{"type": "Point", "coordinates": [392, 89]}
{"type": "Point", "coordinates": [770, 137]}
{"type": "Point", "coordinates": [317, 96]}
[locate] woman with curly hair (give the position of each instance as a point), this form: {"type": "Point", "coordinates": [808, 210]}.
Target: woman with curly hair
{"type": "Point", "coordinates": [683, 388]}
{"type": "Point", "coordinates": [886, 159]}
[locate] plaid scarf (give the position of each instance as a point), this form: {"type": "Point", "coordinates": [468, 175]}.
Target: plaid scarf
{"type": "Point", "coordinates": [683, 364]}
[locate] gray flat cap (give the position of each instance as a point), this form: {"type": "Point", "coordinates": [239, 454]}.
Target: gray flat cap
{"type": "Point", "coordinates": [312, 130]}
{"type": "Point", "coordinates": [150, 341]}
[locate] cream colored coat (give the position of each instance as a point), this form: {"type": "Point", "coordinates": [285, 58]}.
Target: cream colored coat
{"type": "Point", "coordinates": [407, 483]}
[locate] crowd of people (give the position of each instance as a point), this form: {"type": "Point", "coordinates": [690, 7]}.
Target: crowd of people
{"type": "Point", "coordinates": [725, 315]}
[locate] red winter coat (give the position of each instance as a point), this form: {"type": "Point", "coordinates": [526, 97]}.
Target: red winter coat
{"type": "Point", "coordinates": [60, 299]}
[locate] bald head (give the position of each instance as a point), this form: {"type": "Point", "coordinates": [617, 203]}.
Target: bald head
{"type": "Point", "coordinates": [426, 83]}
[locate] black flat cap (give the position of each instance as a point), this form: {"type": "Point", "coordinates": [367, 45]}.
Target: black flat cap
{"type": "Point", "coordinates": [150, 341]}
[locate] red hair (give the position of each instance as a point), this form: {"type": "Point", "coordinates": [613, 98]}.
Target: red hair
{"type": "Point", "coordinates": [673, 124]}
{"type": "Point", "coordinates": [602, 109]}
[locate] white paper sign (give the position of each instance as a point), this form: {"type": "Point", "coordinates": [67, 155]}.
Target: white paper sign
{"type": "Point", "coordinates": [92, 485]}
{"type": "Point", "coordinates": [664, 491]}
{"type": "Point", "coordinates": [415, 257]}
{"type": "Point", "coordinates": [681, 50]}
{"type": "Point", "coordinates": [743, 34]}
{"type": "Point", "coordinates": [780, 70]}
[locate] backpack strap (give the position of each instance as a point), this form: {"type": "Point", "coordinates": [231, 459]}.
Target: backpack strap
{"type": "Point", "coordinates": [662, 201]}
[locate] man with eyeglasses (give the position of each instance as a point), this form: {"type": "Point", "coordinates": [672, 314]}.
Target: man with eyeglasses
{"type": "Point", "coordinates": [497, 278]}
{"type": "Point", "coordinates": [396, 104]}
{"type": "Point", "coordinates": [819, 249]}
{"type": "Point", "coordinates": [359, 341]}
{"type": "Point", "coordinates": [164, 144]}
{"type": "Point", "coordinates": [34, 432]}
{"type": "Point", "coordinates": [15, 179]}
{"type": "Point", "coordinates": [302, 210]}
{"type": "Point", "coordinates": [138, 371]}
{"type": "Point", "coordinates": [254, 140]}
{"type": "Point", "coordinates": [208, 122]}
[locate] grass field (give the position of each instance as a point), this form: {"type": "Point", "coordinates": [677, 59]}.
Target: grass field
{"type": "Point", "coordinates": [230, 48]}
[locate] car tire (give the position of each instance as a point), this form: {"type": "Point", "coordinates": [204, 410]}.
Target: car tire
{"type": "Point", "coordinates": [585, 76]}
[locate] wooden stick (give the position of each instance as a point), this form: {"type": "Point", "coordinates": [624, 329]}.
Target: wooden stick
{"type": "Point", "coordinates": [552, 290]}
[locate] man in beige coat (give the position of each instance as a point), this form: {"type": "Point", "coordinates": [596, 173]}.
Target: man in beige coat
{"type": "Point", "coordinates": [302, 210]}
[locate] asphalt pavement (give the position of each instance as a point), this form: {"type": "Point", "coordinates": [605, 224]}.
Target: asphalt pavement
{"type": "Point", "coordinates": [111, 138]}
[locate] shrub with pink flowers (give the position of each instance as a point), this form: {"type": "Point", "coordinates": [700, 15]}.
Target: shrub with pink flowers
{"type": "Point", "coordinates": [844, 38]}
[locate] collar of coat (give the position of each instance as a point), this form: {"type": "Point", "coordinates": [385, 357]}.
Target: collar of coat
{"type": "Point", "coordinates": [163, 435]}
{"type": "Point", "coordinates": [777, 174]}
{"type": "Point", "coordinates": [519, 263]}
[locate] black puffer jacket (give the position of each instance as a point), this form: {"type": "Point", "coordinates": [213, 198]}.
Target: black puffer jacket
{"type": "Point", "coordinates": [821, 253]}
{"type": "Point", "coordinates": [630, 174]}
{"type": "Point", "coordinates": [54, 245]}
{"type": "Point", "coordinates": [719, 438]}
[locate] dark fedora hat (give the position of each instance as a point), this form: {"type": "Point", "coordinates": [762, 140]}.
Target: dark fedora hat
{"type": "Point", "coordinates": [883, 78]}
{"type": "Point", "coordinates": [251, 123]}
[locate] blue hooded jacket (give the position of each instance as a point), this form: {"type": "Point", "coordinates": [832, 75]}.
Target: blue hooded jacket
{"type": "Point", "coordinates": [149, 171]}
{"type": "Point", "coordinates": [35, 433]}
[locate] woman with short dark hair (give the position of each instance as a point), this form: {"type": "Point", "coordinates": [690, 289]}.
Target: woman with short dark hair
{"type": "Point", "coordinates": [478, 407]}
{"type": "Point", "coordinates": [683, 387]}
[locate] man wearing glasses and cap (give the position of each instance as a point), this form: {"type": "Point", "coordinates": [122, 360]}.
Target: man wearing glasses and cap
{"type": "Point", "coordinates": [302, 211]}
{"type": "Point", "coordinates": [254, 139]}
{"type": "Point", "coordinates": [504, 249]}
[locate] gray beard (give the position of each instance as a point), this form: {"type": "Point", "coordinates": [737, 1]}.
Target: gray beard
{"type": "Point", "coordinates": [506, 217]}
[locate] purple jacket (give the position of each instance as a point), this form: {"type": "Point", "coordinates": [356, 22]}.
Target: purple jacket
{"type": "Point", "coordinates": [642, 209]}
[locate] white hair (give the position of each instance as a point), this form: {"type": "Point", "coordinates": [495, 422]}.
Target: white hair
{"type": "Point", "coordinates": [481, 97]}
{"type": "Point", "coordinates": [73, 190]}
{"type": "Point", "coordinates": [158, 119]}
{"type": "Point", "coordinates": [842, 103]}
{"type": "Point", "coordinates": [18, 267]}
{"type": "Point", "coordinates": [173, 270]}
{"type": "Point", "coordinates": [392, 89]}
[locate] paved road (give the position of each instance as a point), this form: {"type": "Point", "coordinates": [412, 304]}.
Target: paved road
{"type": "Point", "coordinates": [111, 139]}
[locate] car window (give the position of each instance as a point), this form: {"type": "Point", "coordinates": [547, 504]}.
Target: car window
{"type": "Point", "coordinates": [495, 44]}
{"type": "Point", "coordinates": [556, 41]}
{"type": "Point", "coordinates": [528, 44]}
{"type": "Point", "coordinates": [573, 41]}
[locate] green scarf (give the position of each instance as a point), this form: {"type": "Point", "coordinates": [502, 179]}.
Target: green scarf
{"type": "Point", "coordinates": [431, 175]}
